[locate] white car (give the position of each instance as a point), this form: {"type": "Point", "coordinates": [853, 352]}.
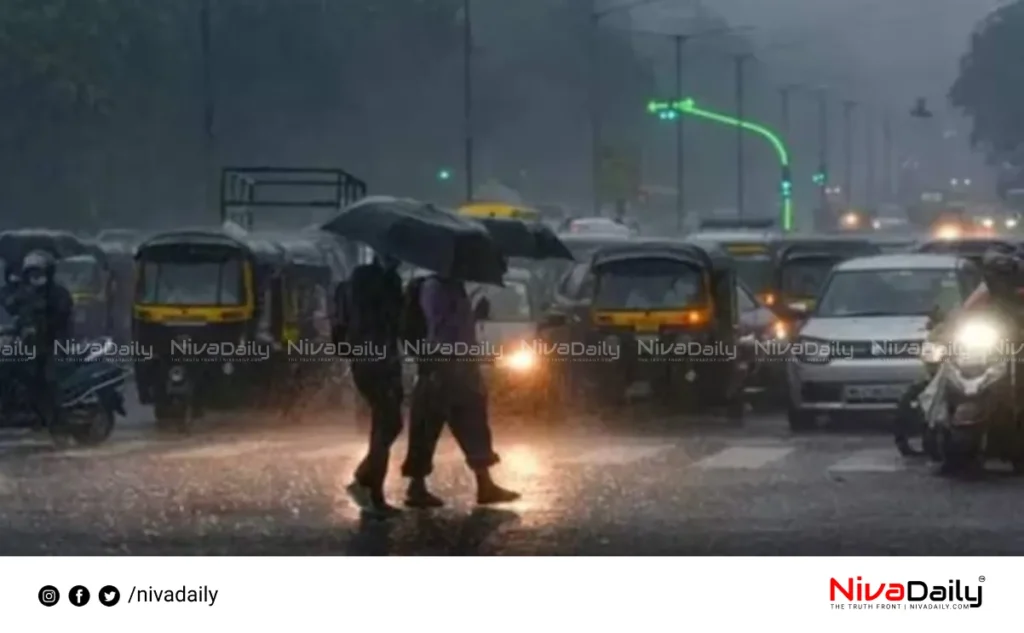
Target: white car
{"type": "Point", "coordinates": [860, 348]}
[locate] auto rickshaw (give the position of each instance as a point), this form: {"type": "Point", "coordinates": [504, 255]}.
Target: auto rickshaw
{"type": "Point", "coordinates": [752, 254]}
{"type": "Point", "coordinates": [499, 210]}
{"type": "Point", "coordinates": [88, 278]}
{"type": "Point", "coordinates": [652, 311]}
{"type": "Point", "coordinates": [205, 310]}
{"type": "Point", "coordinates": [803, 263]}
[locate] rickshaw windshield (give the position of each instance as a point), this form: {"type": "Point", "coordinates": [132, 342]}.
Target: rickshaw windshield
{"type": "Point", "coordinates": [80, 275]}
{"type": "Point", "coordinates": [192, 283]}
{"type": "Point", "coordinates": [804, 277]}
{"type": "Point", "coordinates": [648, 284]}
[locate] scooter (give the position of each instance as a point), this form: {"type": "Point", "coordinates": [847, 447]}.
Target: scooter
{"type": "Point", "coordinates": [91, 393]}
{"type": "Point", "coordinates": [978, 415]}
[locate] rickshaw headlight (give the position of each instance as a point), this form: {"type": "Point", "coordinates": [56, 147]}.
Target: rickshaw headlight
{"type": "Point", "coordinates": [780, 330]}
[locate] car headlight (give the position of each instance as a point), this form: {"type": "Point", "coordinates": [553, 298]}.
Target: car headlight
{"type": "Point", "coordinates": [1011, 223]}
{"type": "Point", "coordinates": [988, 223]}
{"type": "Point", "coordinates": [780, 330]}
{"type": "Point", "coordinates": [948, 232]}
{"type": "Point", "coordinates": [876, 224]}
{"type": "Point", "coordinates": [978, 337]}
{"type": "Point", "coordinates": [520, 361]}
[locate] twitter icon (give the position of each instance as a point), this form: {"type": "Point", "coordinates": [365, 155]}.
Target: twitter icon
{"type": "Point", "coordinates": [109, 596]}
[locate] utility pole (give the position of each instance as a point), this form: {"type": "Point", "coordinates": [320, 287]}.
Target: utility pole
{"type": "Point", "coordinates": [848, 148]}
{"type": "Point", "coordinates": [785, 93]}
{"type": "Point", "coordinates": [467, 94]}
{"type": "Point", "coordinates": [595, 114]}
{"type": "Point", "coordinates": [680, 42]}
{"type": "Point", "coordinates": [887, 187]}
{"type": "Point", "coordinates": [869, 166]}
{"type": "Point", "coordinates": [823, 154]}
{"type": "Point", "coordinates": [741, 63]}
{"type": "Point", "coordinates": [209, 103]}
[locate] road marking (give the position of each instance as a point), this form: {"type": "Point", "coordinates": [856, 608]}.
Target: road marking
{"type": "Point", "coordinates": [744, 458]}
{"type": "Point", "coordinates": [875, 460]}
{"type": "Point", "coordinates": [616, 455]}
{"type": "Point", "coordinates": [217, 451]}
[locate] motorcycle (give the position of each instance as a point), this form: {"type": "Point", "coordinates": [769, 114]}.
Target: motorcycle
{"type": "Point", "coordinates": [911, 420]}
{"type": "Point", "coordinates": [91, 393]}
{"type": "Point", "coordinates": [977, 414]}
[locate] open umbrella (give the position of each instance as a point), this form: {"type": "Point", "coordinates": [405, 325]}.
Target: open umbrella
{"type": "Point", "coordinates": [423, 235]}
{"type": "Point", "coordinates": [529, 240]}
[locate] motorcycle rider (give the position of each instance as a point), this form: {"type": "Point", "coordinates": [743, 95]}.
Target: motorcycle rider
{"type": "Point", "coordinates": [43, 310]}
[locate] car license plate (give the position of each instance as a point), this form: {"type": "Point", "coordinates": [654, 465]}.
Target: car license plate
{"type": "Point", "coordinates": [874, 393]}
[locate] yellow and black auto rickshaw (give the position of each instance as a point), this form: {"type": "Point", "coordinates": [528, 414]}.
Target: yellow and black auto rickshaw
{"type": "Point", "coordinates": [658, 312]}
{"type": "Point", "coordinates": [802, 264]}
{"type": "Point", "coordinates": [499, 210]}
{"type": "Point", "coordinates": [206, 317]}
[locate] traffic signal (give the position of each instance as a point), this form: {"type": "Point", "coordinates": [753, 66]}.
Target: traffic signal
{"type": "Point", "coordinates": [668, 115]}
{"type": "Point", "coordinates": [444, 174]}
{"type": "Point", "coordinates": [787, 183]}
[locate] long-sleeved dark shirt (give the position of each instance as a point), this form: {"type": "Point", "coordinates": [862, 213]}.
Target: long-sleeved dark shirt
{"type": "Point", "coordinates": [374, 306]}
{"type": "Point", "coordinates": [448, 311]}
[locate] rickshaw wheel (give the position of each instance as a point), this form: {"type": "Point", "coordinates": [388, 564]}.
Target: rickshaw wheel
{"type": "Point", "coordinates": [97, 431]}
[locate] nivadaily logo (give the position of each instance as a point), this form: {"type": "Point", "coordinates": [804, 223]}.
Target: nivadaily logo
{"type": "Point", "coordinates": [913, 594]}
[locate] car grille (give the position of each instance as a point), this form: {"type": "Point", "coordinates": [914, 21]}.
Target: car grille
{"type": "Point", "coordinates": [881, 349]}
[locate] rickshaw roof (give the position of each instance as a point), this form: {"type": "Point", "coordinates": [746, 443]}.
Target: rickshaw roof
{"type": "Point", "coordinates": [968, 246]}
{"type": "Point", "coordinates": [15, 244]}
{"type": "Point", "coordinates": [706, 254]}
{"type": "Point", "coordinates": [262, 250]}
{"type": "Point", "coordinates": [827, 245]}
{"type": "Point", "coordinates": [735, 237]}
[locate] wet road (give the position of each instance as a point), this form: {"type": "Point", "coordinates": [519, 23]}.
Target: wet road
{"type": "Point", "coordinates": [633, 487]}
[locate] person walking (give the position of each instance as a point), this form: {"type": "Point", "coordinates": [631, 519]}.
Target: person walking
{"type": "Point", "coordinates": [448, 389]}
{"type": "Point", "coordinates": [373, 308]}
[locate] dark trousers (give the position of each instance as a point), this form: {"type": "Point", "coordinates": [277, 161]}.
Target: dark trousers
{"type": "Point", "coordinates": [451, 392]}
{"type": "Point", "coordinates": [380, 384]}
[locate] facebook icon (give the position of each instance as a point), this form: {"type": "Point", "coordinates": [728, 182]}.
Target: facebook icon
{"type": "Point", "coordinates": [79, 596]}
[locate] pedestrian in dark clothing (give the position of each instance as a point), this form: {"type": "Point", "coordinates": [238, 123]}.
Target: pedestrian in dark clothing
{"type": "Point", "coordinates": [373, 310]}
{"type": "Point", "coordinates": [452, 391]}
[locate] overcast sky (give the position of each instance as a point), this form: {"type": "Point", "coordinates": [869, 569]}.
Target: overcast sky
{"type": "Point", "coordinates": [892, 49]}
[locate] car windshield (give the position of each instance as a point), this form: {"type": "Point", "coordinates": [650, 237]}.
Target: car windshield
{"type": "Point", "coordinates": [508, 304]}
{"type": "Point", "coordinates": [913, 292]}
{"type": "Point", "coordinates": [191, 283]}
{"type": "Point", "coordinates": [79, 275]}
{"type": "Point", "coordinates": [804, 277]}
{"type": "Point", "coordinates": [647, 284]}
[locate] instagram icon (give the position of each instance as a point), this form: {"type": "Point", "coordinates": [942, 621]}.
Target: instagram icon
{"type": "Point", "coordinates": [49, 596]}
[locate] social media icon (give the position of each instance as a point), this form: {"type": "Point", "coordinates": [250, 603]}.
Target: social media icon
{"type": "Point", "coordinates": [49, 596]}
{"type": "Point", "coordinates": [79, 596]}
{"type": "Point", "coordinates": [109, 596]}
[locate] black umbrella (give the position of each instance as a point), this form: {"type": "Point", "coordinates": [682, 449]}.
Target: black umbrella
{"type": "Point", "coordinates": [423, 235]}
{"type": "Point", "coordinates": [530, 240]}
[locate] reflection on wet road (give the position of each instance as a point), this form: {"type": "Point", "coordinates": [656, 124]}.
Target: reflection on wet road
{"type": "Point", "coordinates": [702, 490]}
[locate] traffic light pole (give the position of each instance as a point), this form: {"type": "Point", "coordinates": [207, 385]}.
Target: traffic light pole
{"type": "Point", "coordinates": [680, 41]}
{"type": "Point", "coordinates": [823, 152]}
{"type": "Point", "coordinates": [741, 63]}
{"type": "Point", "coordinates": [467, 94]}
{"type": "Point", "coordinates": [848, 149]}
{"type": "Point", "coordinates": [209, 103]}
{"type": "Point", "coordinates": [689, 107]}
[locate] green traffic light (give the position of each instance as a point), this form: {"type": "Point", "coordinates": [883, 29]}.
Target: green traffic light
{"type": "Point", "coordinates": [444, 174]}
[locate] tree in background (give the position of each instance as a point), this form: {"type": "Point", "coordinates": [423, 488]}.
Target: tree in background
{"type": "Point", "coordinates": [990, 86]}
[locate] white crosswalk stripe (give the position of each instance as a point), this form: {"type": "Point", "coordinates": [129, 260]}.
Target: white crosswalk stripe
{"type": "Point", "coordinates": [744, 457]}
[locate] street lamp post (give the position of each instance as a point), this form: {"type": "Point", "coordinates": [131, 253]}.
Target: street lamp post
{"type": "Point", "coordinates": [741, 63]}
{"type": "Point", "coordinates": [209, 101]}
{"type": "Point", "coordinates": [848, 107]}
{"type": "Point", "coordinates": [467, 95]}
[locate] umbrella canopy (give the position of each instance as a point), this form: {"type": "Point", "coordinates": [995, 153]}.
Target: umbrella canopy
{"type": "Point", "coordinates": [423, 235]}
{"type": "Point", "coordinates": [530, 240]}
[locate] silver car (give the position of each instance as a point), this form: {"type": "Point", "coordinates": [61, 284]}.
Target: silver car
{"type": "Point", "coordinates": [861, 347]}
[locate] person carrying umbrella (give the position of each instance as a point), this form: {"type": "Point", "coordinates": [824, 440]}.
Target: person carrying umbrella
{"type": "Point", "coordinates": [451, 389]}
{"type": "Point", "coordinates": [374, 305]}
